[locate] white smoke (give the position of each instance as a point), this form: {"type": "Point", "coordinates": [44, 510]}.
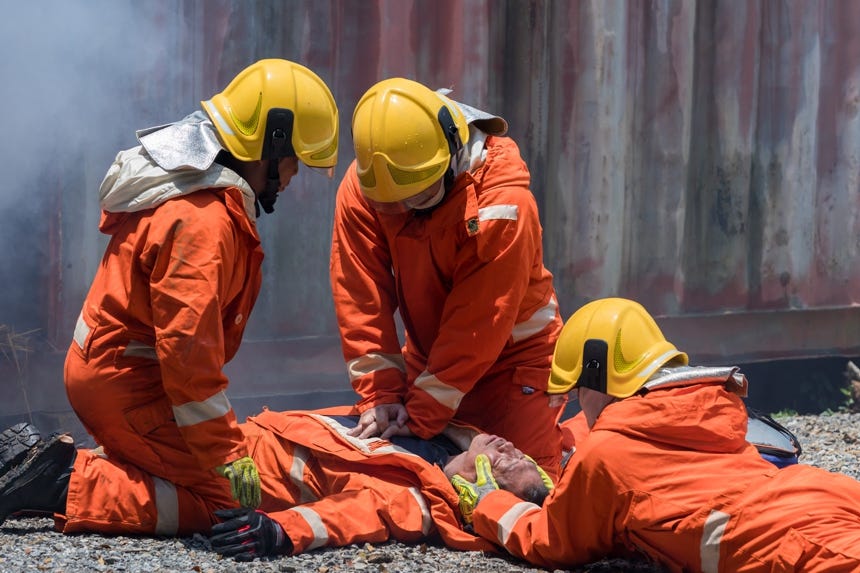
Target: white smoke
{"type": "Point", "coordinates": [77, 79]}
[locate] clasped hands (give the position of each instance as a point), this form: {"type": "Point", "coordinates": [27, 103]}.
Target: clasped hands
{"type": "Point", "coordinates": [385, 421]}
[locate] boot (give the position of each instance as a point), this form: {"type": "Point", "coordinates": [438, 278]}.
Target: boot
{"type": "Point", "coordinates": [15, 442]}
{"type": "Point", "coordinates": [41, 481]}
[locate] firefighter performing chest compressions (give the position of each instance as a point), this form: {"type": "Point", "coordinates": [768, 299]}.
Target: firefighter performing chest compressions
{"type": "Point", "coordinates": [435, 220]}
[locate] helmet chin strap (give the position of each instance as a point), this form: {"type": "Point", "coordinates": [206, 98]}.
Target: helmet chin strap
{"type": "Point", "coordinates": [266, 199]}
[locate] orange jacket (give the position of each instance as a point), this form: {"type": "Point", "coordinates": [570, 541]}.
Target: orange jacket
{"type": "Point", "coordinates": [467, 278]}
{"type": "Point", "coordinates": [176, 285]}
{"type": "Point", "coordinates": [669, 475]}
{"type": "Point", "coordinates": [328, 489]}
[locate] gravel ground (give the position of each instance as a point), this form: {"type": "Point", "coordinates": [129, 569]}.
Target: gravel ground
{"type": "Point", "coordinates": [830, 441]}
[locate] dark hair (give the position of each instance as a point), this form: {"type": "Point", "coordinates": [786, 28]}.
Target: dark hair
{"type": "Point", "coordinates": [536, 494]}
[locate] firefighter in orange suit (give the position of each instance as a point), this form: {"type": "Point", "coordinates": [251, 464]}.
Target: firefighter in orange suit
{"type": "Point", "coordinates": [666, 472]}
{"type": "Point", "coordinates": [321, 487]}
{"type": "Point", "coordinates": [435, 220]}
{"type": "Point", "coordinates": [171, 298]}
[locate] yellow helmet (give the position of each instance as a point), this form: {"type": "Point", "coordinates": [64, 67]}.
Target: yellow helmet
{"type": "Point", "coordinates": [611, 345]}
{"type": "Point", "coordinates": [276, 108]}
{"type": "Point", "coordinates": [404, 136]}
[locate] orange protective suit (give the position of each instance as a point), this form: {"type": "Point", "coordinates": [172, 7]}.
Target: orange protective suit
{"type": "Point", "coordinates": [328, 489]}
{"type": "Point", "coordinates": [166, 310]}
{"type": "Point", "coordinates": [324, 487]}
{"type": "Point", "coordinates": [478, 306]}
{"type": "Point", "coordinates": [670, 475]}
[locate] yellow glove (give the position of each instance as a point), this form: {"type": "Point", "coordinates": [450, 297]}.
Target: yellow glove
{"type": "Point", "coordinates": [244, 481]}
{"type": "Point", "coordinates": [544, 477]}
{"type": "Point", "coordinates": [471, 493]}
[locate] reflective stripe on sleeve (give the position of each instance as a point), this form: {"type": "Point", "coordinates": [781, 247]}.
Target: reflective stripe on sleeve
{"type": "Point", "coordinates": [81, 331]}
{"type": "Point", "coordinates": [426, 519]}
{"type": "Point", "coordinates": [712, 537]}
{"type": "Point", "coordinates": [297, 474]}
{"type": "Point", "coordinates": [510, 518]}
{"type": "Point", "coordinates": [316, 524]}
{"type": "Point", "coordinates": [542, 318]}
{"type": "Point", "coordinates": [192, 413]}
{"type": "Point", "coordinates": [445, 394]}
{"type": "Point", "coordinates": [374, 362]}
{"type": "Point", "coordinates": [166, 507]}
{"type": "Point", "coordinates": [492, 212]}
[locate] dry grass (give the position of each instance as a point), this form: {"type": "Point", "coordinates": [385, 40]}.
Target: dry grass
{"type": "Point", "coordinates": [15, 346]}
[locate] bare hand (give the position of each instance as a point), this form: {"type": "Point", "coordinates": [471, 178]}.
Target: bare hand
{"type": "Point", "coordinates": [396, 430]}
{"type": "Point", "coordinates": [377, 421]}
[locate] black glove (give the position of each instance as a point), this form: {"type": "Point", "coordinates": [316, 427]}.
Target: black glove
{"type": "Point", "coordinates": [246, 533]}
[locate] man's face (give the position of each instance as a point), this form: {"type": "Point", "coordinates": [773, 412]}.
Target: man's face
{"type": "Point", "coordinates": [256, 175]}
{"type": "Point", "coordinates": [592, 403]}
{"type": "Point", "coordinates": [287, 169]}
{"type": "Point", "coordinates": [429, 197]}
{"type": "Point", "coordinates": [512, 470]}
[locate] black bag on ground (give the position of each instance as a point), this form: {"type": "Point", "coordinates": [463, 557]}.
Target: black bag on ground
{"type": "Point", "coordinates": [774, 441]}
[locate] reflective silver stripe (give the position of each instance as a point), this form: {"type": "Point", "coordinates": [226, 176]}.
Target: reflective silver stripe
{"type": "Point", "coordinates": [140, 350]}
{"type": "Point", "coordinates": [362, 445]}
{"type": "Point", "coordinates": [510, 518]}
{"type": "Point", "coordinates": [297, 474]}
{"type": "Point", "coordinates": [374, 362]}
{"type": "Point", "coordinates": [218, 118]}
{"type": "Point", "coordinates": [166, 507]}
{"type": "Point", "coordinates": [498, 212]}
{"type": "Point", "coordinates": [426, 519]}
{"type": "Point", "coordinates": [316, 524]}
{"type": "Point", "coordinates": [712, 536]}
{"type": "Point", "coordinates": [683, 375]}
{"type": "Point", "coordinates": [443, 393]}
{"type": "Point", "coordinates": [542, 318]}
{"type": "Point", "coordinates": [192, 413]}
{"type": "Point", "coordinates": [81, 331]}
{"type": "Point", "coordinates": [657, 362]}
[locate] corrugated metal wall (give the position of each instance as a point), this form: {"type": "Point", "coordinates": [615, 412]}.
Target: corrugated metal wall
{"type": "Point", "coordinates": [701, 157]}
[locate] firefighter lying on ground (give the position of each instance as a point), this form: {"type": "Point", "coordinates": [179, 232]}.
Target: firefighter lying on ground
{"type": "Point", "coordinates": [435, 220]}
{"type": "Point", "coordinates": [666, 472]}
{"type": "Point", "coordinates": [320, 486]}
{"type": "Point", "coordinates": [171, 298]}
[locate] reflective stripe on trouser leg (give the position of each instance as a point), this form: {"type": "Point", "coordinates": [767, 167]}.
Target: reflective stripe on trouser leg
{"type": "Point", "coordinates": [166, 506]}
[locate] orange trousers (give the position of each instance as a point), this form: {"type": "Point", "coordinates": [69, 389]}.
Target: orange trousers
{"type": "Point", "coordinates": [146, 481]}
